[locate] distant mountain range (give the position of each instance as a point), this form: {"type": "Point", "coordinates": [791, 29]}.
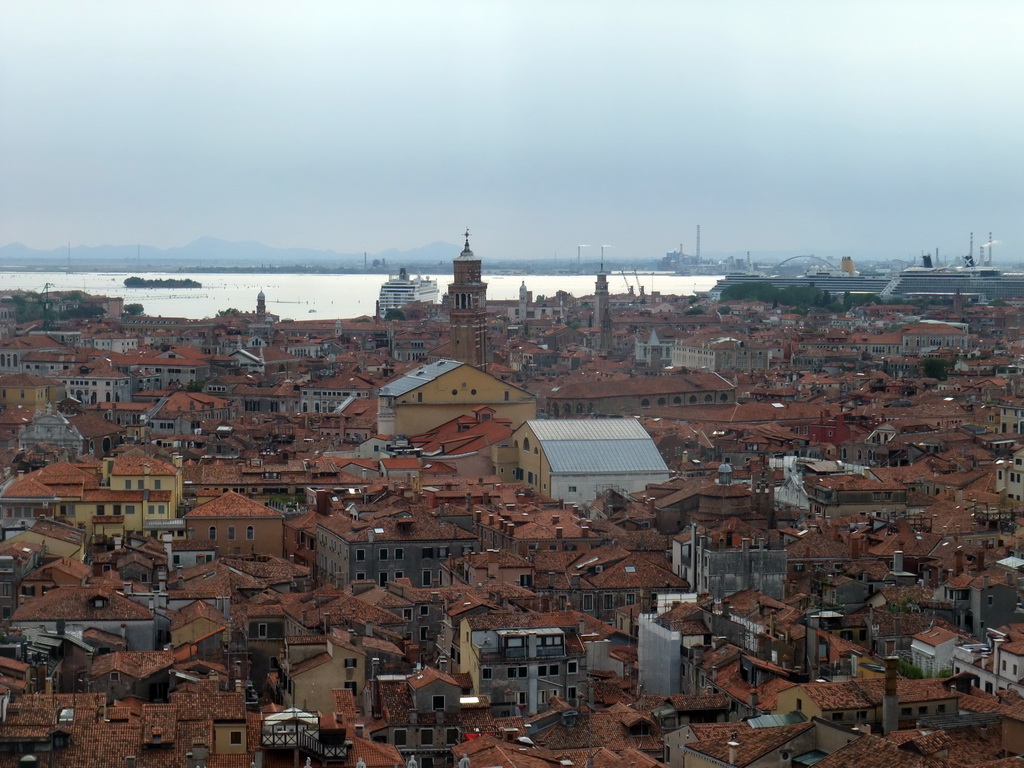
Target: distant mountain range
{"type": "Point", "coordinates": [212, 251]}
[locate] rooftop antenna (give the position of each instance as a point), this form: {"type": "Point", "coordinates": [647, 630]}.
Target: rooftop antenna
{"type": "Point", "coordinates": [698, 244]}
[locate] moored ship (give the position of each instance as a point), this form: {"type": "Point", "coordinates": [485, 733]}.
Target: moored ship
{"type": "Point", "coordinates": [402, 290]}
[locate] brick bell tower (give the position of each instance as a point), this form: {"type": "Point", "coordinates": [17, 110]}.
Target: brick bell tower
{"type": "Point", "coordinates": [467, 310]}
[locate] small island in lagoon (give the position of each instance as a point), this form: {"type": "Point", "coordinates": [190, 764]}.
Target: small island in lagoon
{"type": "Point", "coordinates": [143, 282]}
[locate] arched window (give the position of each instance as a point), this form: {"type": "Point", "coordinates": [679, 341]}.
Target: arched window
{"type": "Point", "coordinates": [661, 401]}
{"type": "Point", "coordinates": [526, 444]}
{"type": "Point", "coordinates": [645, 403]}
{"type": "Point", "coordinates": [724, 397]}
{"type": "Point", "coordinates": [250, 532]}
{"type": "Point", "coordinates": [693, 398]}
{"type": "Point", "coordinates": [677, 400]}
{"type": "Point", "coordinates": [708, 398]}
{"type": "Point", "coordinates": [213, 533]}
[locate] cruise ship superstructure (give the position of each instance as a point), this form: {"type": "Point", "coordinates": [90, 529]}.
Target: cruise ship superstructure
{"type": "Point", "coordinates": [835, 281]}
{"type": "Point", "coordinates": [972, 282]}
{"type": "Point", "coordinates": [402, 290]}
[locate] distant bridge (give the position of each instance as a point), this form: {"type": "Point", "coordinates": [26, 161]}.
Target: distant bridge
{"type": "Point", "coordinates": [810, 256]}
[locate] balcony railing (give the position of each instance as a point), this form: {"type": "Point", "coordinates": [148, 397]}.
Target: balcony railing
{"type": "Point", "coordinates": [520, 654]}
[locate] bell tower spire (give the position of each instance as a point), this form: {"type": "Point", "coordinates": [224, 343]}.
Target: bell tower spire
{"type": "Point", "coordinates": [467, 309]}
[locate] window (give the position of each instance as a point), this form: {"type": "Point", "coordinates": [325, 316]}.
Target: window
{"type": "Point", "coordinates": [609, 601]}
{"type": "Point", "coordinates": [427, 737]}
{"type": "Point", "coordinates": [261, 630]}
{"type": "Point", "coordinates": [250, 532]}
{"type": "Point", "coordinates": [156, 484]}
{"type": "Point", "coordinates": [588, 602]}
{"type": "Point", "coordinates": [906, 711]}
{"type": "Point", "coordinates": [427, 553]}
{"type": "Point", "coordinates": [799, 705]}
{"type": "Point", "coordinates": [115, 675]}
{"type": "Point", "coordinates": [572, 667]}
{"type": "Point", "coordinates": [437, 702]}
{"type": "Point", "coordinates": [426, 578]}
{"type": "Point", "coordinates": [399, 737]}
{"type": "Point", "coordinates": [231, 533]}
{"type": "Point", "coordinates": [350, 663]}
{"type": "Point", "coordinates": [360, 555]}
{"type": "Point", "coordinates": [236, 738]}
{"type": "Point", "coordinates": [572, 489]}
{"type": "Point", "coordinates": [360, 575]}
{"type": "Point", "coordinates": [383, 554]}
{"type": "Point", "coordinates": [399, 554]}
{"type": "Point", "coordinates": [213, 533]}
{"type": "Point", "coordinates": [837, 715]}
{"type": "Point", "coordinates": [127, 485]}
{"type": "Point", "coordinates": [486, 673]}
{"type": "Point", "coordinates": [424, 610]}
{"type": "Point", "coordinates": [423, 633]}
{"type": "Point", "coordinates": [452, 736]}
{"type": "Point", "coordinates": [570, 692]}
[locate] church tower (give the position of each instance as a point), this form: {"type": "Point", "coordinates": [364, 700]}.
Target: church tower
{"type": "Point", "coordinates": [467, 310]}
{"type": "Point", "coordinates": [261, 306]}
{"type": "Point", "coordinates": [603, 312]}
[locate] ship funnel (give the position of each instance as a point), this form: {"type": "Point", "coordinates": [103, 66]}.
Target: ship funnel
{"type": "Point", "coordinates": [926, 260]}
{"type": "Point", "coordinates": [847, 267]}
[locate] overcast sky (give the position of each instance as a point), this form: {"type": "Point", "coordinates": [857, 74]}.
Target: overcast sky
{"type": "Point", "coordinates": [885, 127]}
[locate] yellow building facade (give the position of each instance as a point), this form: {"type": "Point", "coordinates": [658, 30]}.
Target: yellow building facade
{"type": "Point", "coordinates": [441, 391]}
{"type": "Point", "coordinates": [28, 391]}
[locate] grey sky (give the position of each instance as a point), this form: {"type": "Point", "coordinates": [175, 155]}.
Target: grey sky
{"type": "Point", "coordinates": [884, 127]}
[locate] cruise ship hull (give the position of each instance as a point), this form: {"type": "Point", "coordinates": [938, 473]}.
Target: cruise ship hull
{"type": "Point", "coordinates": [836, 284]}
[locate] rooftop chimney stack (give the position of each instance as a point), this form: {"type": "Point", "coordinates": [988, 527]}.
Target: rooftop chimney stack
{"type": "Point", "coordinates": [891, 701]}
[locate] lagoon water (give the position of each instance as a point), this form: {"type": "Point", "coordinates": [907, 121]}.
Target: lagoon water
{"type": "Point", "coordinates": [307, 297]}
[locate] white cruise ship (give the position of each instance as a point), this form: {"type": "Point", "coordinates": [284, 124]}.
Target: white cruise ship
{"type": "Point", "coordinates": [402, 290]}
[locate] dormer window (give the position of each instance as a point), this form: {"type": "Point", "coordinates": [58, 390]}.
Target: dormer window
{"type": "Point", "coordinates": [99, 601]}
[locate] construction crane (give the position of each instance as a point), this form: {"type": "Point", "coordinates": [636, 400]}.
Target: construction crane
{"type": "Point", "coordinates": [626, 281]}
{"type": "Point", "coordinates": [639, 287]}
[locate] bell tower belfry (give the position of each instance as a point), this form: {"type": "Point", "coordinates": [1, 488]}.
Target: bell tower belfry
{"type": "Point", "coordinates": [467, 310]}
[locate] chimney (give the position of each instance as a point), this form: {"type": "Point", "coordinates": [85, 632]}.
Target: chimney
{"type": "Point", "coordinates": [558, 532]}
{"type": "Point", "coordinates": [322, 497]}
{"type": "Point", "coordinates": [733, 745]}
{"type": "Point", "coordinates": [891, 701]}
{"type": "Point", "coordinates": [897, 561]}
{"type": "Point", "coordinates": [958, 562]}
